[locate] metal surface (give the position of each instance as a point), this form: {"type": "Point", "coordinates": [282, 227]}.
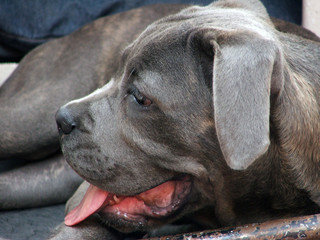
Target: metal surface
{"type": "Point", "coordinates": [306, 227]}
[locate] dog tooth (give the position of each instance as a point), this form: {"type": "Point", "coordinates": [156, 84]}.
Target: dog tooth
{"type": "Point", "coordinates": [116, 199]}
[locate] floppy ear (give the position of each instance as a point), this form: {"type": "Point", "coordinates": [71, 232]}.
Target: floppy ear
{"type": "Point", "coordinates": [246, 70]}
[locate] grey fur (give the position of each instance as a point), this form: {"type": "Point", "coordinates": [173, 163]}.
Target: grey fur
{"type": "Point", "coordinates": [229, 93]}
{"type": "Point", "coordinates": [234, 107]}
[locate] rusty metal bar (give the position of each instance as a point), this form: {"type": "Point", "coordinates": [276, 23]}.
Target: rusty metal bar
{"type": "Point", "coordinates": [305, 227]}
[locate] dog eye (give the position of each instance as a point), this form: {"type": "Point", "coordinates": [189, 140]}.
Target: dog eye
{"type": "Point", "coordinates": [139, 97]}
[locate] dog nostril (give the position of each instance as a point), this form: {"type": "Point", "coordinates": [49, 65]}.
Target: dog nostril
{"type": "Point", "coordinates": [64, 120]}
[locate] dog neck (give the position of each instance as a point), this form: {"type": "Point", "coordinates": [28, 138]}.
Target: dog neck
{"type": "Point", "coordinates": [295, 114]}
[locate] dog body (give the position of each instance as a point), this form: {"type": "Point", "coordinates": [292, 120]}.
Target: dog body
{"type": "Point", "coordinates": [212, 110]}
{"type": "Point", "coordinates": [210, 113]}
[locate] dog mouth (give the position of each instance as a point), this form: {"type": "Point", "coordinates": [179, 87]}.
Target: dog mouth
{"type": "Point", "coordinates": [156, 203]}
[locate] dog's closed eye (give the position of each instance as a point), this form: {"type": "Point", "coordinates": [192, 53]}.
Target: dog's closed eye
{"type": "Point", "coordinates": [139, 97]}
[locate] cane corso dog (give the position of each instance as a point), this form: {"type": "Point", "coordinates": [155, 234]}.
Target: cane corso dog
{"type": "Point", "coordinates": [211, 110]}
{"type": "Point", "coordinates": [209, 119]}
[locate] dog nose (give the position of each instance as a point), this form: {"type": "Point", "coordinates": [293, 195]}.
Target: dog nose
{"type": "Point", "coordinates": [65, 121]}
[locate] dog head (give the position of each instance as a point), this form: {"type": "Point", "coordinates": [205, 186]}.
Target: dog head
{"type": "Point", "coordinates": [190, 101]}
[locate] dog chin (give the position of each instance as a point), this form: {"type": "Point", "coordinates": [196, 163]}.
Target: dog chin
{"type": "Point", "coordinates": [140, 212]}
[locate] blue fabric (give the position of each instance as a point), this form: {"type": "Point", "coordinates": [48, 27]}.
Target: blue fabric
{"type": "Point", "coordinates": [26, 24]}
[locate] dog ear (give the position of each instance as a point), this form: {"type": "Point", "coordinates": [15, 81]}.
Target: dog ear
{"type": "Point", "coordinates": [247, 70]}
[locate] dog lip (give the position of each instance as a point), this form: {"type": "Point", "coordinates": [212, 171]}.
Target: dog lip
{"type": "Point", "coordinates": [157, 202]}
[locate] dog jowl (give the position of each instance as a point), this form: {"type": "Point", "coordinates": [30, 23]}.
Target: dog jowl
{"type": "Point", "coordinates": [206, 111]}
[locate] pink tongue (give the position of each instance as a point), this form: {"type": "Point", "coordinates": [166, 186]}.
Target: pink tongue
{"type": "Point", "coordinates": [92, 201]}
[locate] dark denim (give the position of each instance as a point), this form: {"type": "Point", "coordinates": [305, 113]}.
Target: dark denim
{"type": "Point", "coordinates": [24, 24]}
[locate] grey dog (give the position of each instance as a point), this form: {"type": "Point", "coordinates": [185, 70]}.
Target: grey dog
{"type": "Point", "coordinates": [210, 115]}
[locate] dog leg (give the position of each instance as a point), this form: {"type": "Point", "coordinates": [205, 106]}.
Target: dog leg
{"type": "Point", "coordinates": [89, 229]}
{"type": "Point", "coordinates": [31, 96]}
{"type": "Point", "coordinates": [42, 183]}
